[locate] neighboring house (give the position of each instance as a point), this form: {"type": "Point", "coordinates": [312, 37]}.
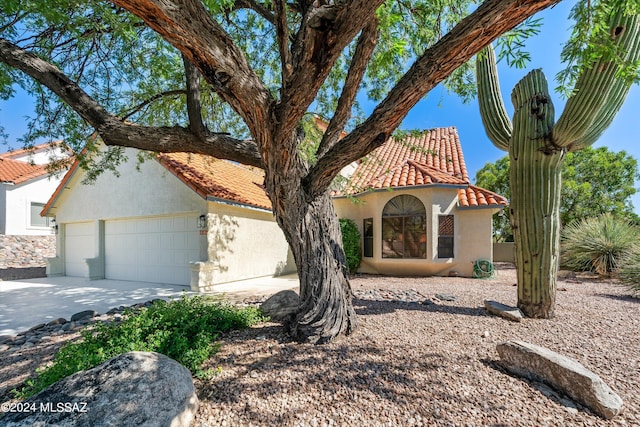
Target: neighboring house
{"type": "Point", "coordinates": [181, 218]}
{"type": "Point", "coordinates": [25, 187]}
{"type": "Point", "coordinates": [433, 221]}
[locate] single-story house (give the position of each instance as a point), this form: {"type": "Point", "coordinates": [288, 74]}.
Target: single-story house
{"type": "Point", "coordinates": [198, 221]}
{"type": "Point", "coordinates": [181, 218]}
{"type": "Point", "coordinates": [25, 187]}
{"type": "Point", "coordinates": [433, 222]}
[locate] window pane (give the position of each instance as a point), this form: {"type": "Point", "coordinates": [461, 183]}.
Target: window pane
{"type": "Point", "coordinates": [392, 245]}
{"type": "Point", "coordinates": [415, 237]}
{"type": "Point", "coordinates": [445, 247]}
{"type": "Point", "coordinates": [404, 205]}
{"type": "Point", "coordinates": [36, 219]}
{"type": "Point", "coordinates": [445, 236]}
{"type": "Point", "coordinates": [367, 227]}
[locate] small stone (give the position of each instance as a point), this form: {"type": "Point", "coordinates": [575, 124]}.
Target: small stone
{"type": "Point", "coordinates": [58, 321]}
{"type": "Point", "coordinates": [66, 327]}
{"type": "Point", "coordinates": [6, 338]}
{"type": "Point", "coordinates": [33, 340]}
{"type": "Point", "coordinates": [446, 297]}
{"type": "Point", "coordinates": [36, 327]}
{"type": "Point", "coordinates": [485, 334]}
{"type": "Point", "coordinates": [19, 341]}
{"type": "Point", "coordinates": [28, 344]}
{"type": "Point", "coordinates": [82, 315]}
{"type": "Point", "coordinates": [4, 347]}
{"type": "Point", "coordinates": [502, 310]}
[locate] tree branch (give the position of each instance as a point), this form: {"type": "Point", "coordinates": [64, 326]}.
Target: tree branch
{"type": "Point", "coordinates": [324, 33]}
{"type": "Point", "coordinates": [282, 35]}
{"type": "Point", "coordinates": [256, 7]}
{"type": "Point", "coordinates": [113, 130]}
{"type": "Point", "coordinates": [486, 23]}
{"type": "Point", "coordinates": [151, 99]}
{"type": "Point", "coordinates": [194, 109]}
{"type": "Point", "coordinates": [188, 26]}
{"type": "Point", "coordinates": [358, 67]}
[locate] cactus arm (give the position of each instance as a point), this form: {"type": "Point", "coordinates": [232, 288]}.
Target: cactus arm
{"type": "Point", "coordinates": [494, 115]}
{"type": "Point", "coordinates": [599, 91]}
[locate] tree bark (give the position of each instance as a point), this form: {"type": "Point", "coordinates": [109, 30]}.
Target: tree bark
{"type": "Point", "coordinates": [536, 167]}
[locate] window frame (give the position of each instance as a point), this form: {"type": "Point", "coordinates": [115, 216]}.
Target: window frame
{"type": "Point", "coordinates": [408, 208]}
{"type": "Point", "coordinates": [45, 221]}
{"type": "Point", "coordinates": [446, 242]}
{"type": "Point", "coordinates": [367, 237]}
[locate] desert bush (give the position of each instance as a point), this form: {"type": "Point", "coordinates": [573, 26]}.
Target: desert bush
{"type": "Point", "coordinates": [629, 272]}
{"type": "Point", "coordinates": [351, 243]}
{"type": "Point", "coordinates": [598, 244]}
{"type": "Point", "coordinates": [184, 329]}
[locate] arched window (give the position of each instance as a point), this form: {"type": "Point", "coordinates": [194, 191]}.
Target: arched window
{"type": "Point", "coordinates": [404, 228]}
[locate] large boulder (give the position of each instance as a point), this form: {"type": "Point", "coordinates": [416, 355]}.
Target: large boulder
{"type": "Point", "coordinates": [562, 373]}
{"type": "Point", "coordinates": [281, 306]}
{"type": "Point", "coordinates": [133, 389]}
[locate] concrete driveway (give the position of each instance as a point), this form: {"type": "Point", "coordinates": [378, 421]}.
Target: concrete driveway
{"type": "Point", "coordinates": [25, 303]}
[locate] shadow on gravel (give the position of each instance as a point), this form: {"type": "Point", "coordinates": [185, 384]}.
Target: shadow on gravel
{"type": "Point", "coordinates": [625, 298]}
{"type": "Point", "coordinates": [372, 307]}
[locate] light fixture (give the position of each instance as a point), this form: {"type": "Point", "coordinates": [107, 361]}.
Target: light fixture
{"type": "Point", "coordinates": [202, 221]}
{"type": "Point", "coordinates": [54, 226]}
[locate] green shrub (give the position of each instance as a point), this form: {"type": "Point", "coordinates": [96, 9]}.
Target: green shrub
{"type": "Point", "coordinates": [598, 244]}
{"type": "Point", "coordinates": [183, 329]}
{"type": "Point", "coordinates": [351, 243]}
{"type": "Point", "coordinates": [629, 273]}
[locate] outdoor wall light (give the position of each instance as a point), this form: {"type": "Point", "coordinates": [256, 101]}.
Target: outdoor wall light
{"type": "Point", "coordinates": [54, 226]}
{"type": "Point", "coordinates": [202, 221]}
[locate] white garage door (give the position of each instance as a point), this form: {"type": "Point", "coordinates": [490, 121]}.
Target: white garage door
{"type": "Point", "coordinates": [78, 245]}
{"type": "Point", "coordinates": [155, 249]}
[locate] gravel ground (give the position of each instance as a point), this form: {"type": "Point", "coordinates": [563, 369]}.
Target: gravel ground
{"type": "Point", "coordinates": [415, 359]}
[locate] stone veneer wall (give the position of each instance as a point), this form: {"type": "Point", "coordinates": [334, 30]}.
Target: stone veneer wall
{"type": "Point", "coordinates": [26, 251]}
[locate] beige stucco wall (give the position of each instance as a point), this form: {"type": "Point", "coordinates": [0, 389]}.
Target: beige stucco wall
{"type": "Point", "coordinates": [243, 243]}
{"type": "Point", "coordinates": [472, 238]}
{"type": "Point", "coordinates": [140, 190]}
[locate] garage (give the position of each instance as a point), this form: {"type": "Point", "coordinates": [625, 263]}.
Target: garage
{"type": "Point", "coordinates": [79, 245]}
{"type": "Point", "coordinates": [152, 249]}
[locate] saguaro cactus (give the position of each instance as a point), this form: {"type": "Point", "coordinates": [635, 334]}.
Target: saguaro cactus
{"type": "Point", "coordinates": [537, 146]}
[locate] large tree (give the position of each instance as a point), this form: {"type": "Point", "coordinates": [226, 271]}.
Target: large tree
{"type": "Point", "coordinates": [112, 63]}
{"type": "Point", "coordinates": [594, 181]}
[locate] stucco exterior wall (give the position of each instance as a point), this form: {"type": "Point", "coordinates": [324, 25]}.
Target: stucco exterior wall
{"type": "Point", "coordinates": [472, 235]}
{"type": "Point", "coordinates": [18, 199]}
{"type": "Point", "coordinates": [147, 190]}
{"type": "Point", "coordinates": [243, 243]}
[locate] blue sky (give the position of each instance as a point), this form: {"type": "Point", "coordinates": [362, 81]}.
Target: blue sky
{"type": "Point", "coordinates": [440, 109]}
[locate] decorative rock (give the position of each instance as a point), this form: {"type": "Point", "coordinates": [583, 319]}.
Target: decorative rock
{"type": "Point", "coordinates": [566, 274]}
{"type": "Point", "coordinates": [132, 389]}
{"type": "Point", "coordinates": [6, 338]}
{"type": "Point", "coordinates": [82, 315]}
{"type": "Point", "coordinates": [281, 305]}
{"type": "Point", "coordinates": [502, 310]}
{"type": "Point", "coordinates": [446, 297]}
{"type": "Point", "coordinates": [66, 326]}
{"type": "Point", "coordinates": [36, 327]}
{"type": "Point", "coordinates": [562, 373]}
{"type": "Point", "coordinates": [58, 321]}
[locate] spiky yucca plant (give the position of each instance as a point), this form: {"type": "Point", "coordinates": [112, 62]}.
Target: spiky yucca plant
{"type": "Point", "coordinates": [599, 244]}
{"type": "Point", "coordinates": [537, 145]}
{"type": "Point", "coordinates": [629, 273]}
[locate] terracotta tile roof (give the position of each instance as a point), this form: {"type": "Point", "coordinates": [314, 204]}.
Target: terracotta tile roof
{"type": "Point", "coordinates": [434, 157]}
{"type": "Point", "coordinates": [221, 179]}
{"type": "Point", "coordinates": [18, 172]}
{"type": "Point", "coordinates": [473, 197]}
{"type": "Point", "coordinates": [22, 151]}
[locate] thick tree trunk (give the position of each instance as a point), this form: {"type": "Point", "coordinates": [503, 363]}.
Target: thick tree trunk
{"type": "Point", "coordinates": [535, 196]}
{"type": "Point", "coordinates": [326, 310]}
{"type": "Point", "coordinates": [312, 230]}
